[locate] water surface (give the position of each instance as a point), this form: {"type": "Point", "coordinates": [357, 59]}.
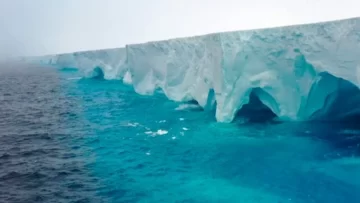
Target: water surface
{"type": "Point", "coordinates": [67, 139]}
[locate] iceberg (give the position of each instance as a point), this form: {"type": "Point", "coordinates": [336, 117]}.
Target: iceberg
{"type": "Point", "coordinates": [109, 62]}
{"type": "Point", "coordinates": [302, 72]}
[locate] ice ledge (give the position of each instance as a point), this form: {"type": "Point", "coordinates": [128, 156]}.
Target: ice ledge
{"type": "Point", "coordinates": [298, 72]}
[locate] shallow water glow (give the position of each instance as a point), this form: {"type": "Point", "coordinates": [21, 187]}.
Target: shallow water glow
{"type": "Point", "coordinates": [98, 141]}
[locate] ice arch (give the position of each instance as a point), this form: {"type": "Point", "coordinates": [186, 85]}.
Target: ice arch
{"type": "Point", "coordinates": [302, 72]}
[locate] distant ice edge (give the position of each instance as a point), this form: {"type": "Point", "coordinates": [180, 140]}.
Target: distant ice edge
{"type": "Point", "coordinates": [300, 72]}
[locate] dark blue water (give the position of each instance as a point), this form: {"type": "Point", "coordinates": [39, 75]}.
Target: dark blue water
{"type": "Point", "coordinates": [66, 139]}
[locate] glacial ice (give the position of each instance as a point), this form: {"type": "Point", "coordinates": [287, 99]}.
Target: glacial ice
{"type": "Point", "coordinates": [301, 72]}
{"type": "Point", "coordinates": [111, 62]}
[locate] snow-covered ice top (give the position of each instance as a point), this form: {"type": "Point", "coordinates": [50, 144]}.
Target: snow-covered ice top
{"type": "Point", "coordinates": [294, 70]}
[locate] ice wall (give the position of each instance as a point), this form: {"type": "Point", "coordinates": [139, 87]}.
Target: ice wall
{"type": "Point", "coordinates": [110, 61]}
{"type": "Point", "coordinates": [295, 71]}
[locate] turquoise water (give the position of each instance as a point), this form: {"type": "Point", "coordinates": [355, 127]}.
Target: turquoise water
{"type": "Point", "coordinates": [68, 139]}
{"type": "Point", "coordinates": [147, 149]}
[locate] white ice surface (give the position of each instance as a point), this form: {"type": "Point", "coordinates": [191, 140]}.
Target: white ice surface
{"type": "Point", "coordinates": [284, 67]}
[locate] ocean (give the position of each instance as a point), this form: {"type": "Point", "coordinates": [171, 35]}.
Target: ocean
{"type": "Point", "coordinates": [64, 138]}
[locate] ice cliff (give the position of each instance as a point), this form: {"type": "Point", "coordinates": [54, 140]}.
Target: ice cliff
{"type": "Point", "coordinates": [299, 72]}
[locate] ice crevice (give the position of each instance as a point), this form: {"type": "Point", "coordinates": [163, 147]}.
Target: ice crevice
{"type": "Point", "coordinates": [303, 72]}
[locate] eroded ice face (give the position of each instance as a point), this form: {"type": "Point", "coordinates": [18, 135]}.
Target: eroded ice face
{"type": "Point", "coordinates": [299, 72]}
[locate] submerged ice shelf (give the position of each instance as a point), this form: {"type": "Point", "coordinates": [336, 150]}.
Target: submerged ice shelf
{"type": "Point", "coordinates": [301, 72]}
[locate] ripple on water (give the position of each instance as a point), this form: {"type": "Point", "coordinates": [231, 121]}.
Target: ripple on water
{"type": "Point", "coordinates": [95, 144]}
{"type": "Point", "coordinates": [37, 163]}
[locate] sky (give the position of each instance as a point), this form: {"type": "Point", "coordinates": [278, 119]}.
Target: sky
{"type": "Point", "coordinates": [40, 27]}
